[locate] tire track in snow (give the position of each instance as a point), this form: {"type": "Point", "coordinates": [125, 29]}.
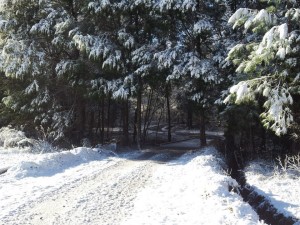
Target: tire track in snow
{"type": "Point", "coordinates": [105, 198]}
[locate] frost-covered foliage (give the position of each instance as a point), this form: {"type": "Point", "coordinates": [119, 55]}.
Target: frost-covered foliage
{"type": "Point", "coordinates": [61, 56]}
{"type": "Point", "coordinates": [187, 52]}
{"type": "Point", "coordinates": [38, 56]}
{"type": "Point", "coordinates": [143, 58]}
{"type": "Point", "coordinates": [43, 146]}
{"type": "Point", "coordinates": [267, 62]}
{"type": "Point", "coordinates": [10, 137]}
{"type": "Point", "coordinates": [125, 47]}
{"type": "Point", "coordinates": [99, 47]}
{"type": "Point", "coordinates": [256, 19]}
{"type": "Point", "coordinates": [289, 165]}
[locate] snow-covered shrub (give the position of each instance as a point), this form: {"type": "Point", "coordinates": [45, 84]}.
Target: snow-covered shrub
{"type": "Point", "coordinates": [290, 165]}
{"type": "Point", "coordinates": [42, 146]}
{"type": "Point", "coordinates": [85, 142]}
{"type": "Point", "coordinates": [111, 146]}
{"type": "Point", "coordinates": [10, 137]}
{"type": "Point", "coordinates": [107, 149]}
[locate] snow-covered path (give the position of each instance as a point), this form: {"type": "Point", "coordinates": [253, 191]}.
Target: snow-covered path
{"type": "Point", "coordinates": [106, 196]}
{"type": "Point", "coordinates": [138, 188]}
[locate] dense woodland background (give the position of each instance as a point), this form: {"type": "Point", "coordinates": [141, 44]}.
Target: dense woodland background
{"type": "Point", "coordinates": [77, 71]}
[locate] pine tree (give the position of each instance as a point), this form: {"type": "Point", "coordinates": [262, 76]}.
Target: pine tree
{"type": "Point", "coordinates": [194, 50]}
{"type": "Point", "coordinates": [124, 49]}
{"type": "Point", "coordinates": [268, 62]}
{"type": "Point", "coordinates": [40, 60]}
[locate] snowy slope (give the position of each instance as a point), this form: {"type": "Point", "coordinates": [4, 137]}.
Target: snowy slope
{"type": "Point", "coordinates": [281, 190]}
{"type": "Point", "coordinates": [83, 186]}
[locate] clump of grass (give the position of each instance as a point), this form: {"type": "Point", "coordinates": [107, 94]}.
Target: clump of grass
{"type": "Point", "coordinates": [289, 165]}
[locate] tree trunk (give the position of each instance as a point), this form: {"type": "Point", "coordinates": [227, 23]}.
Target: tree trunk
{"type": "Point", "coordinates": [251, 139]}
{"type": "Point", "coordinates": [158, 123]}
{"type": "Point", "coordinates": [134, 126]}
{"type": "Point", "coordinates": [92, 122]}
{"type": "Point", "coordinates": [102, 120]}
{"type": "Point", "coordinates": [98, 118]}
{"type": "Point", "coordinates": [168, 89]}
{"type": "Point", "coordinates": [263, 142]}
{"type": "Point", "coordinates": [189, 115]}
{"type": "Point", "coordinates": [147, 116]}
{"type": "Point", "coordinates": [154, 110]}
{"type": "Point", "coordinates": [126, 122]}
{"type": "Point", "coordinates": [108, 115]}
{"type": "Point", "coordinates": [82, 118]}
{"type": "Point", "coordinates": [139, 112]}
{"type": "Point", "coordinates": [202, 128]}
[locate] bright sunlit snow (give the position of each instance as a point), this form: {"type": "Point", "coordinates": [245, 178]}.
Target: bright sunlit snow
{"type": "Point", "coordinates": [191, 190]}
{"type": "Point", "coordinates": [33, 176]}
{"type": "Point", "coordinates": [281, 190]}
{"type": "Point", "coordinates": [90, 186]}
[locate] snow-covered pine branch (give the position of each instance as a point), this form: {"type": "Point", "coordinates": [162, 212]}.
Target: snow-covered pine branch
{"type": "Point", "coordinates": [269, 64]}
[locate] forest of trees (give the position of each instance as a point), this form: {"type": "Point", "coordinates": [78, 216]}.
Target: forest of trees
{"type": "Point", "coordinates": [75, 69]}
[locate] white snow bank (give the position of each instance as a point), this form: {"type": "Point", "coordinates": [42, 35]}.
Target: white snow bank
{"type": "Point", "coordinates": [12, 156]}
{"type": "Point", "coordinates": [51, 163]}
{"type": "Point", "coordinates": [191, 190]}
{"type": "Point", "coordinates": [35, 176]}
{"type": "Point", "coordinates": [281, 190]}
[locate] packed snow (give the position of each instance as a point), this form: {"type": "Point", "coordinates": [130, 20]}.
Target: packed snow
{"type": "Point", "coordinates": [33, 176]}
{"type": "Point", "coordinates": [191, 190]}
{"type": "Point", "coordinates": [279, 187]}
{"type": "Point", "coordinates": [93, 186]}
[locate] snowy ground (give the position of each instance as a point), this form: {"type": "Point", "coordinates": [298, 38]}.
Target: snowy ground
{"type": "Point", "coordinates": [191, 190]}
{"type": "Point", "coordinates": [281, 189]}
{"type": "Point", "coordinates": [83, 186]}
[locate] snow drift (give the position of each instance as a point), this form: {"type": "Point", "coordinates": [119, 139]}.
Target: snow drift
{"type": "Point", "coordinates": [51, 163]}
